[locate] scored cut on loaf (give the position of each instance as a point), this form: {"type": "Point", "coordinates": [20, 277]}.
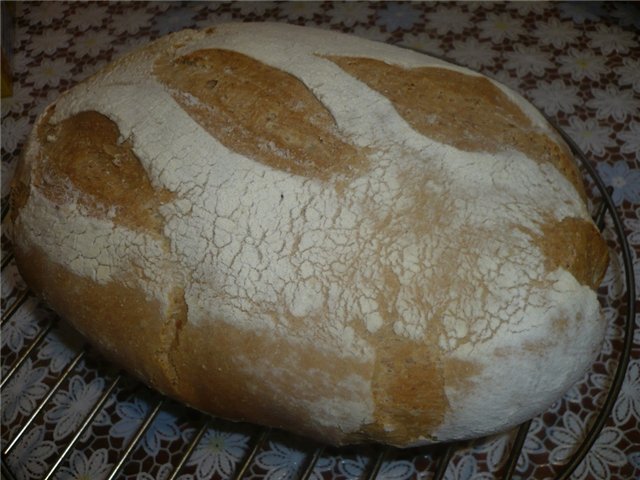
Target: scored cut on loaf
{"type": "Point", "coordinates": [313, 231]}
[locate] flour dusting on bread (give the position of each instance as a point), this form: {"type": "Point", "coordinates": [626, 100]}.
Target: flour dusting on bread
{"type": "Point", "coordinates": [359, 225]}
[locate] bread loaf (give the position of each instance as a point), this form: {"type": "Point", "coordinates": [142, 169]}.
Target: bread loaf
{"type": "Point", "coordinates": [312, 231]}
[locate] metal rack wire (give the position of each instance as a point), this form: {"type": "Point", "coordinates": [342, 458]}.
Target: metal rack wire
{"type": "Point", "coordinates": [441, 455]}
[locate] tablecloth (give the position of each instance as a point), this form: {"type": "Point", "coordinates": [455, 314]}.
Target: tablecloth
{"type": "Point", "coordinates": [579, 63]}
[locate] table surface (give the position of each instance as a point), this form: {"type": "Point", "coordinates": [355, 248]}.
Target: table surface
{"type": "Point", "coordinates": [577, 62]}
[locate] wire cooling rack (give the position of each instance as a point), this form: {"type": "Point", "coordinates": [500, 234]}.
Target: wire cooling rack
{"type": "Point", "coordinates": [38, 441]}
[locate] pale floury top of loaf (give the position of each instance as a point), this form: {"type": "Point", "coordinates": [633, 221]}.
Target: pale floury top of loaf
{"type": "Point", "coordinates": [432, 242]}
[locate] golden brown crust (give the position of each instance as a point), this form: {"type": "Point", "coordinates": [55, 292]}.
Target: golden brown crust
{"type": "Point", "coordinates": [259, 111]}
{"type": "Point", "coordinates": [262, 391]}
{"type": "Point", "coordinates": [119, 320]}
{"type": "Point", "coordinates": [466, 111]}
{"type": "Point", "coordinates": [408, 390]}
{"type": "Point", "coordinates": [576, 246]}
{"type": "Point", "coordinates": [84, 153]}
{"type": "Point", "coordinates": [19, 193]}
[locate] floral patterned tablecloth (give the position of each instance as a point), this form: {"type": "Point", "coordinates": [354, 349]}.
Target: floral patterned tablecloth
{"type": "Point", "coordinates": [578, 62]}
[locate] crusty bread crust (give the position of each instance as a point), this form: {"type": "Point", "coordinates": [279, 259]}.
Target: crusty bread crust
{"type": "Point", "coordinates": [332, 236]}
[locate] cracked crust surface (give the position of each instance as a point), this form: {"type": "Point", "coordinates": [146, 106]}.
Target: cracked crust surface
{"type": "Point", "coordinates": [379, 286]}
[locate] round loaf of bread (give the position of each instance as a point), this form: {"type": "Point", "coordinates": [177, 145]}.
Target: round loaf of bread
{"type": "Point", "coordinates": [315, 232]}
